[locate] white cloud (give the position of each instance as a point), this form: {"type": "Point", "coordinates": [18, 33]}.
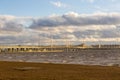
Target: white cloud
{"type": "Point", "coordinates": [90, 1]}
{"type": "Point", "coordinates": [73, 26]}
{"type": "Point", "coordinates": [114, 0]}
{"type": "Point", "coordinates": [59, 4]}
{"type": "Point", "coordinates": [74, 19]}
{"type": "Point", "coordinates": [83, 26]}
{"type": "Point", "coordinates": [13, 24]}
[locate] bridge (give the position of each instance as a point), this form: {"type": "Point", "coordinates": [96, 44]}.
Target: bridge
{"type": "Point", "coordinates": [55, 48]}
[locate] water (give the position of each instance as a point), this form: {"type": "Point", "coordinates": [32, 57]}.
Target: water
{"type": "Point", "coordinates": [85, 57]}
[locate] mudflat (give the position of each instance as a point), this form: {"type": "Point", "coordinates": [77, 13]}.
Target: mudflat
{"type": "Point", "coordinates": [48, 71]}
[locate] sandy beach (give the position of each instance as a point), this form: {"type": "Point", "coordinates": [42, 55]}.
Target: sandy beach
{"type": "Point", "coordinates": [39, 71]}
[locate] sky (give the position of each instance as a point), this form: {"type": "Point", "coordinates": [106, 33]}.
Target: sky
{"type": "Point", "coordinates": [77, 21]}
{"type": "Point", "coordinates": [47, 7]}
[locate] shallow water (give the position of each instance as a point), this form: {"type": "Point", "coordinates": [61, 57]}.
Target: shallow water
{"type": "Point", "coordinates": [85, 57]}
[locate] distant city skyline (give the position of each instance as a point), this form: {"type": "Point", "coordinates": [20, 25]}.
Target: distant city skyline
{"type": "Point", "coordinates": [29, 21]}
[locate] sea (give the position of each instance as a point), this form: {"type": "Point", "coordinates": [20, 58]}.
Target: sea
{"type": "Point", "coordinates": [83, 57]}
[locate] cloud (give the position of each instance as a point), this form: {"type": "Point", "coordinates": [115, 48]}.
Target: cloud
{"type": "Point", "coordinates": [12, 24]}
{"type": "Point", "coordinates": [74, 19]}
{"type": "Point", "coordinates": [97, 26]}
{"type": "Point", "coordinates": [104, 27]}
{"type": "Point", "coordinates": [59, 4]}
{"type": "Point", "coordinates": [114, 0]}
{"type": "Point", "coordinates": [90, 1]}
